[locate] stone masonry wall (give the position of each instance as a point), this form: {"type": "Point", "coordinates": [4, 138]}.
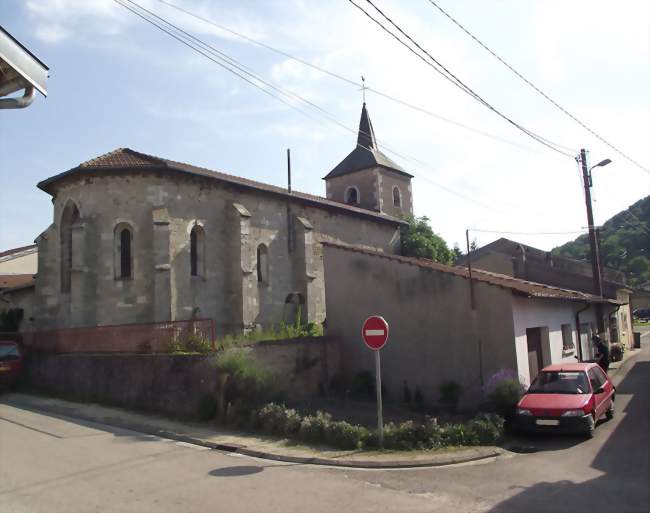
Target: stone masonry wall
{"type": "Point", "coordinates": [162, 211]}
{"type": "Point", "coordinates": [174, 384]}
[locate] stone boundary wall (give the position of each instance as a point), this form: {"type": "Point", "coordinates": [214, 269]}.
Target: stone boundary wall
{"type": "Point", "coordinates": [174, 384]}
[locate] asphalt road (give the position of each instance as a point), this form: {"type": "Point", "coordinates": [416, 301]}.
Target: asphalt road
{"type": "Point", "coordinates": [52, 464]}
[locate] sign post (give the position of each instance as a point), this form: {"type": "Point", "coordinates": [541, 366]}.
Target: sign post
{"type": "Point", "coordinates": [375, 334]}
{"type": "Point", "coordinates": [380, 411]}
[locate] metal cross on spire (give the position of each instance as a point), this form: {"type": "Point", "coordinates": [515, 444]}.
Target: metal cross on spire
{"type": "Point", "coordinates": [363, 88]}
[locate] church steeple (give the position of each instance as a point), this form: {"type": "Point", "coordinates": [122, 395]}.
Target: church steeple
{"type": "Point", "coordinates": [366, 137]}
{"type": "Point", "coordinates": [369, 179]}
{"type": "Point", "coordinates": [366, 154]}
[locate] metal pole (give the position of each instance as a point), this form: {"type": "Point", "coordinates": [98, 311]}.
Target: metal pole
{"type": "Point", "coordinates": [595, 265]}
{"type": "Point", "coordinates": [289, 169]}
{"type": "Point", "coordinates": [289, 213]}
{"type": "Point", "coordinates": [380, 414]}
{"type": "Point", "coordinates": [469, 268]}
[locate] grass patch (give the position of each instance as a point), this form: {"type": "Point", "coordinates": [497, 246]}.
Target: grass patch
{"type": "Point", "coordinates": [281, 331]}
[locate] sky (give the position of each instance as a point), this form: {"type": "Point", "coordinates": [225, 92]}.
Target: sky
{"type": "Point", "coordinates": [116, 81]}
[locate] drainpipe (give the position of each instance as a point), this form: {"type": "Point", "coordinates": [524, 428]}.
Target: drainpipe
{"type": "Point", "coordinates": [19, 103]}
{"type": "Point", "coordinates": [587, 306]}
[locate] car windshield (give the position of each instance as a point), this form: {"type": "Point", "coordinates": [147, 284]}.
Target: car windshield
{"type": "Point", "coordinates": [9, 352]}
{"type": "Point", "coordinates": [560, 382]}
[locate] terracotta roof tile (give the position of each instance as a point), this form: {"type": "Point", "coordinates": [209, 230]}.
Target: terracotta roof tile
{"type": "Point", "coordinates": [9, 281]}
{"type": "Point", "coordinates": [126, 159]}
{"type": "Point", "coordinates": [121, 157]}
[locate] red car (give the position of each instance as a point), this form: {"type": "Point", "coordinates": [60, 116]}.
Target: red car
{"type": "Point", "coordinates": [567, 397]}
{"type": "Point", "coordinates": [11, 363]}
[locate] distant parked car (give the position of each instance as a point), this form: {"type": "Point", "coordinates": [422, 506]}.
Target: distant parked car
{"type": "Point", "coordinates": [643, 314]}
{"type": "Point", "coordinates": [568, 398]}
{"type": "Point", "coordinates": [11, 363]}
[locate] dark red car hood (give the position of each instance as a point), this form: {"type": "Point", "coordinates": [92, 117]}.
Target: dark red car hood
{"type": "Point", "coordinates": [534, 402]}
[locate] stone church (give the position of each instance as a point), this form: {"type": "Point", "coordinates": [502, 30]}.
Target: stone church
{"type": "Point", "coordinates": [137, 238]}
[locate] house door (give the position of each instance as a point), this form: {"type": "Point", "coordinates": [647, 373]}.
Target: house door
{"type": "Point", "coordinates": [534, 338]}
{"type": "Point", "coordinates": [585, 337]}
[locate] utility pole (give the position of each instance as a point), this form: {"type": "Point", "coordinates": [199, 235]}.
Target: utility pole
{"type": "Point", "coordinates": [593, 241]}
{"type": "Point", "coordinates": [289, 213]}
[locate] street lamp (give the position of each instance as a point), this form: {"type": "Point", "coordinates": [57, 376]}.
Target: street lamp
{"type": "Point", "coordinates": [602, 163]}
{"type": "Point", "coordinates": [593, 235]}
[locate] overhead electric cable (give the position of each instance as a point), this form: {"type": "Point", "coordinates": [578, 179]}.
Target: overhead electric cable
{"type": "Point", "coordinates": [343, 78]}
{"type": "Point", "coordinates": [537, 89]}
{"type": "Point", "coordinates": [217, 59]}
{"type": "Point", "coordinates": [443, 71]}
{"type": "Point", "coordinates": [509, 232]}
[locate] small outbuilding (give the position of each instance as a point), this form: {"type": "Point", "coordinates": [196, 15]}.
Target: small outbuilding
{"type": "Point", "coordinates": [446, 326]}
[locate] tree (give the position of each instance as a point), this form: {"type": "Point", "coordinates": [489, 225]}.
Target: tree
{"type": "Point", "coordinates": [456, 251]}
{"type": "Point", "coordinates": [420, 241]}
{"type": "Point", "coordinates": [624, 243]}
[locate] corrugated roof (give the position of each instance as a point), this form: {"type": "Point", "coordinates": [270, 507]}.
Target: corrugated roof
{"type": "Point", "coordinates": [366, 154]}
{"type": "Point", "coordinates": [126, 159]}
{"type": "Point", "coordinates": [528, 288]}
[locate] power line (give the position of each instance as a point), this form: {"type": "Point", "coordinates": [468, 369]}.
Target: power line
{"type": "Point", "coordinates": [443, 71]}
{"type": "Point", "coordinates": [209, 52]}
{"type": "Point", "coordinates": [343, 78]}
{"type": "Point", "coordinates": [509, 232]}
{"type": "Point", "coordinates": [538, 90]}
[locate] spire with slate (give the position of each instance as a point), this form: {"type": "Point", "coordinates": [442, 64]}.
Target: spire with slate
{"type": "Point", "coordinates": [366, 154]}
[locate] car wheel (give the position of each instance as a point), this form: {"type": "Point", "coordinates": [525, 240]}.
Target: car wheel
{"type": "Point", "coordinates": [610, 411]}
{"type": "Point", "coordinates": [591, 429]}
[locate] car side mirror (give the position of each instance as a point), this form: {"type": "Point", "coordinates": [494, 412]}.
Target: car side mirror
{"type": "Point", "coordinates": [600, 390]}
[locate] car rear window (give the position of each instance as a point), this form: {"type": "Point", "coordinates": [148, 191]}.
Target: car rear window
{"type": "Point", "coordinates": [560, 382]}
{"type": "Point", "coordinates": [9, 352]}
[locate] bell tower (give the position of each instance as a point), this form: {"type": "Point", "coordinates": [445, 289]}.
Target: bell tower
{"type": "Point", "coordinates": [368, 179]}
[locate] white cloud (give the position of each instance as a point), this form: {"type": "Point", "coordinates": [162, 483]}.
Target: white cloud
{"type": "Point", "coordinates": [588, 55]}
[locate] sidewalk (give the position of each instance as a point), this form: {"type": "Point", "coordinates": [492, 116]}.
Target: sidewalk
{"type": "Point", "coordinates": [615, 366]}
{"type": "Point", "coordinates": [253, 444]}
{"type": "Point", "coordinates": [248, 444]}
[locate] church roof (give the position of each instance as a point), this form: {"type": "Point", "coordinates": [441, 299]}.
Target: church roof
{"type": "Point", "coordinates": [366, 154]}
{"type": "Point", "coordinates": [126, 159]}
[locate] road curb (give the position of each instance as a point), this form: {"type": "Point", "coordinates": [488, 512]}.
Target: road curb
{"type": "Point", "coordinates": [478, 453]}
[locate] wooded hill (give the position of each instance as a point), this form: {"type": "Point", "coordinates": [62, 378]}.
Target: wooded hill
{"type": "Point", "coordinates": [624, 243]}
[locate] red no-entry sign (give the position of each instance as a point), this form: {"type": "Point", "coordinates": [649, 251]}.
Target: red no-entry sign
{"type": "Point", "coordinates": [375, 332]}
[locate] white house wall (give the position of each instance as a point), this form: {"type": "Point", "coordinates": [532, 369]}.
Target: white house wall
{"type": "Point", "coordinates": [550, 314]}
{"type": "Point", "coordinates": [23, 263]}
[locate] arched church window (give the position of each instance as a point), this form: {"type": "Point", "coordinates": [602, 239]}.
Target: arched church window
{"type": "Point", "coordinates": [68, 218]}
{"type": "Point", "coordinates": [352, 195]}
{"type": "Point", "coordinates": [197, 251]}
{"type": "Point", "coordinates": [397, 197]}
{"type": "Point", "coordinates": [123, 252]}
{"type": "Point", "coordinates": [262, 264]}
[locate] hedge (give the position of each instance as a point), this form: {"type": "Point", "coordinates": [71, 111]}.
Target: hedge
{"type": "Point", "coordinates": [277, 419]}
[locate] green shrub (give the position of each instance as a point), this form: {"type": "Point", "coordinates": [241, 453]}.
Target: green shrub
{"type": "Point", "coordinates": [343, 435]}
{"type": "Point", "coordinates": [292, 423]}
{"type": "Point", "coordinates": [196, 343]}
{"type": "Point", "coordinates": [190, 343]}
{"type": "Point", "coordinates": [312, 427]}
{"type": "Point", "coordinates": [246, 380]}
{"type": "Point", "coordinates": [280, 331]}
{"type": "Point", "coordinates": [616, 352]}
{"type": "Point", "coordinates": [206, 407]}
{"type": "Point", "coordinates": [453, 434]}
{"type": "Point", "coordinates": [279, 420]}
{"type": "Point", "coordinates": [407, 435]}
{"type": "Point", "coordinates": [505, 395]}
{"type": "Point", "coordinates": [450, 393]}
{"type": "Point", "coordinates": [486, 429]}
